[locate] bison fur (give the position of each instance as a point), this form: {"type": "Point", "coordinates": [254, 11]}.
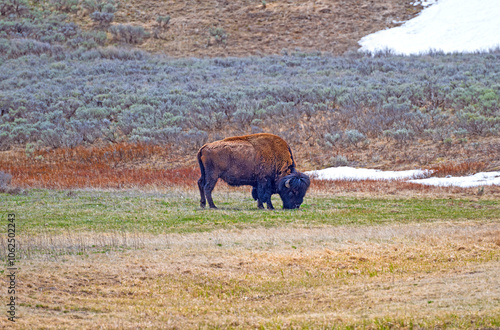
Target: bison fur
{"type": "Point", "coordinates": [263, 161]}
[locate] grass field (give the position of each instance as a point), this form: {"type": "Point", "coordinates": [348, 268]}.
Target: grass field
{"type": "Point", "coordinates": [131, 258]}
{"type": "Point", "coordinates": [179, 211]}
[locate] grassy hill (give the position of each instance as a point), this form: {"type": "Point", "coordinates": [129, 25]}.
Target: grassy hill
{"type": "Point", "coordinates": [95, 72]}
{"type": "Point", "coordinates": [241, 28]}
{"type": "Point", "coordinates": [209, 28]}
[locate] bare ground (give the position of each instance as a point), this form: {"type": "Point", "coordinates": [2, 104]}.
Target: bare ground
{"type": "Point", "coordinates": [428, 275]}
{"type": "Point", "coordinates": [252, 28]}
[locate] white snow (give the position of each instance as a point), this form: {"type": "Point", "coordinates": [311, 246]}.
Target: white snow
{"type": "Point", "coordinates": [415, 176]}
{"type": "Point", "coordinates": [354, 174]}
{"type": "Point", "coordinates": [444, 25]}
{"type": "Point", "coordinates": [479, 179]}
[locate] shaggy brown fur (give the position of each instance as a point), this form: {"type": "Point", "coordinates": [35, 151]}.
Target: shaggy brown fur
{"type": "Point", "coordinates": [258, 160]}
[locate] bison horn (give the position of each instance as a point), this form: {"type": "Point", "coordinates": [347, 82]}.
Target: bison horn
{"type": "Point", "coordinates": [287, 183]}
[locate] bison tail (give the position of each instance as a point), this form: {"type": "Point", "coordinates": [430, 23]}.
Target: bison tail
{"type": "Point", "coordinates": [202, 167]}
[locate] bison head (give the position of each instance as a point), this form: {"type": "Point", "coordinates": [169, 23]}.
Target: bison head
{"type": "Point", "coordinates": [292, 189]}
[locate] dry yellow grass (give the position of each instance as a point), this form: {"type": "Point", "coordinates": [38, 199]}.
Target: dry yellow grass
{"type": "Point", "coordinates": [427, 275]}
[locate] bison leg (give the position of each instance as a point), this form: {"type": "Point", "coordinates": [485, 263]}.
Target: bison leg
{"type": "Point", "coordinates": [209, 186]}
{"type": "Point", "coordinates": [264, 192]}
{"type": "Point", "coordinates": [269, 203]}
{"type": "Point", "coordinates": [201, 185]}
{"type": "Point", "coordinates": [255, 195]}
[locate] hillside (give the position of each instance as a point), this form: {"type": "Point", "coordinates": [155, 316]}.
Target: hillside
{"type": "Point", "coordinates": [77, 74]}
{"type": "Point", "coordinates": [257, 27]}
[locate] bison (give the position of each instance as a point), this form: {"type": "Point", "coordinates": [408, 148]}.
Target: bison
{"type": "Point", "coordinates": [263, 161]}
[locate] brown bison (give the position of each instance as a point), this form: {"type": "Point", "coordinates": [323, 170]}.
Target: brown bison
{"type": "Point", "coordinates": [263, 161]}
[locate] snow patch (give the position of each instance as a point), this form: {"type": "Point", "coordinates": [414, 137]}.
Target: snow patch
{"type": "Point", "coordinates": [354, 174]}
{"type": "Point", "coordinates": [479, 179]}
{"type": "Point", "coordinates": [447, 25]}
{"type": "Point", "coordinates": [414, 176]}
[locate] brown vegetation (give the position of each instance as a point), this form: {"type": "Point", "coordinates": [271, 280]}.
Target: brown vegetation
{"type": "Point", "coordinates": [128, 165]}
{"type": "Point", "coordinates": [458, 169]}
{"type": "Point", "coordinates": [120, 165]}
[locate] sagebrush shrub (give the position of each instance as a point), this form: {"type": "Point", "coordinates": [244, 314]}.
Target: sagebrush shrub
{"type": "Point", "coordinates": [354, 136]}
{"type": "Point", "coordinates": [401, 135]}
{"type": "Point", "coordinates": [14, 7]}
{"type": "Point", "coordinates": [163, 21]}
{"type": "Point", "coordinates": [339, 160]}
{"type": "Point", "coordinates": [5, 179]}
{"type": "Point", "coordinates": [65, 5]}
{"type": "Point", "coordinates": [105, 6]}
{"type": "Point", "coordinates": [72, 91]}
{"type": "Point", "coordinates": [101, 18]}
{"type": "Point", "coordinates": [128, 33]}
{"type": "Point", "coordinates": [219, 35]}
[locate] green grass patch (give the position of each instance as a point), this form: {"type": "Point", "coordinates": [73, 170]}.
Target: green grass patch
{"type": "Point", "coordinates": [58, 211]}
